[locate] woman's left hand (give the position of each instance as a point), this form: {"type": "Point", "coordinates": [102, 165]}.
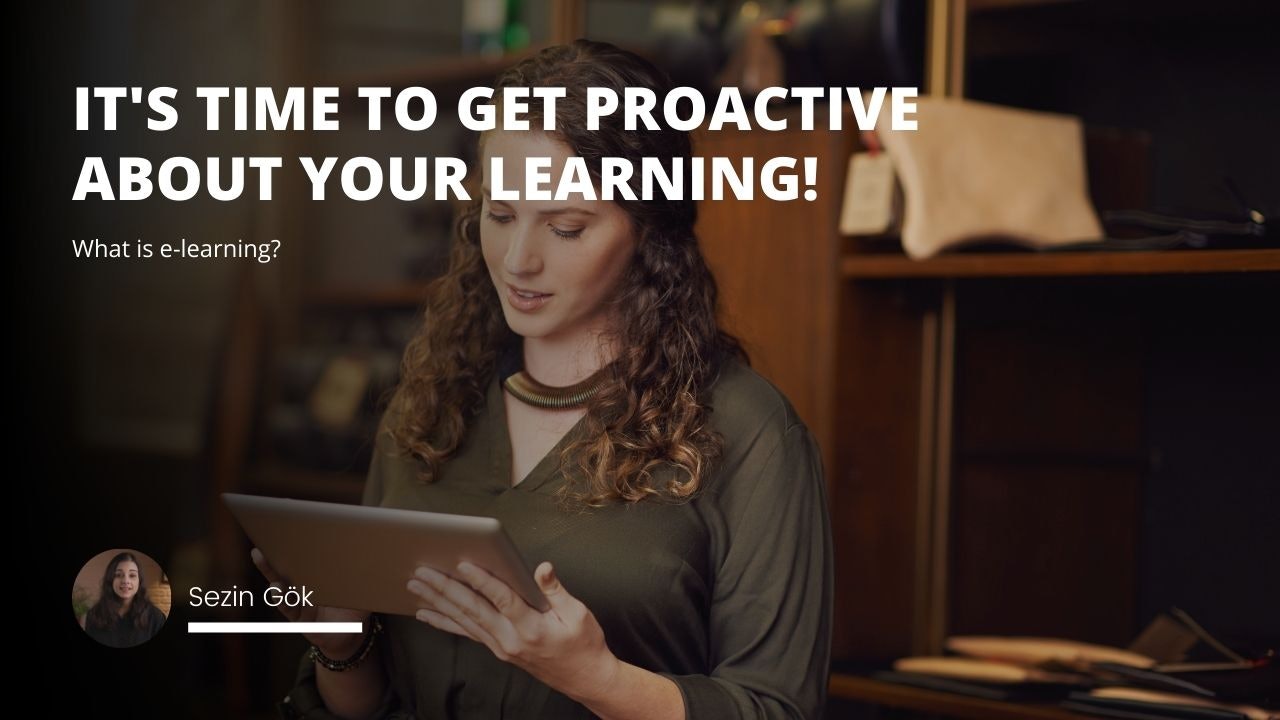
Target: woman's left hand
{"type": "Point", "coordinates": [563, 647]}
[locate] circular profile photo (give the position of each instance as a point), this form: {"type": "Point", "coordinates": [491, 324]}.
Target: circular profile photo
{"type": "Point", "coordinates": [121, 597]}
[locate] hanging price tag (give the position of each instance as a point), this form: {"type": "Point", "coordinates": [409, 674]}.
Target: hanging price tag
{"type": "Point", "coordinates": [868, 195]}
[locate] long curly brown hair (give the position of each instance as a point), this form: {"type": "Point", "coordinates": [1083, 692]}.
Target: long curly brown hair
{"type": "Point", "coordinates": [652, 411]}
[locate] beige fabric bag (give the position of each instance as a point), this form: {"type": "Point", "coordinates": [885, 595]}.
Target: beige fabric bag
{"type": "Point", "coordinates": [973, 171]}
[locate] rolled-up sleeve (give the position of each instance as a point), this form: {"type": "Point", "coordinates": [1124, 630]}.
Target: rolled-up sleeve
{"type": "Point", "coordinates": [770, 619]}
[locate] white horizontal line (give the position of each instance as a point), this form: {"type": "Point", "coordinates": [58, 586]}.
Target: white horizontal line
{"type": "Point", "coordinates": [275, 627]}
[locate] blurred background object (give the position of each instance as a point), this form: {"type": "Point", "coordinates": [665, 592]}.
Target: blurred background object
{"type": "Point", "coordinates": [804, 43]}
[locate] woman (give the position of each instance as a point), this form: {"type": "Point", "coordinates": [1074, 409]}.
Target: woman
{"type": "Point", "coordinates": [123, 616]}
{"type": "Point", "coordinates": [570, 379]}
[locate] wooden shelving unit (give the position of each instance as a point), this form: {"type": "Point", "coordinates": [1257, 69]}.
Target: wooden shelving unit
{"type": "Point", "coordinates": [867, 266]}
{"type": "Point", "coordinates": [974, 6]}
{"type": "Point", "coordinates": [444, 73]}
{"type": "Point", "coordinates": [294, 59]}
{"type": "Point", "coordinates": [948, 705]}
{"type": "Point", "coordinates": [282, 480]}
{"type": "Point", "coordinates": [982, 415]}
{"type": "Point", "coordinates": [446, 77]}
{"type": "Point", "coordinates": [407, 295]}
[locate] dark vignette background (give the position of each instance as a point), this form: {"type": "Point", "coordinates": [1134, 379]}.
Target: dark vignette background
{"type": "Point", "coordinates": [66, 501]}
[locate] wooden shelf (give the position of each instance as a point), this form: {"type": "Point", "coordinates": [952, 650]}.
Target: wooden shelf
{"type": "Point", "coordinates": [405, 295]}
{"type": "Point", "coordinates": [984, 5]}
{"type": "Point", "coordinates": [869, 266]}
{"type": "Point", "coordinates": [453, 71]}
{"type": "Point", "coordinates": [894, 266]}
{"type": "Point", "coordinates": [854, 687]}
{"type": "Point", "coordinates": [282, 480]}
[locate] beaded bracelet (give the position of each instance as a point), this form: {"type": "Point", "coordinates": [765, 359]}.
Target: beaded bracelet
{"type": "Point", "coordinates": [354, 661]}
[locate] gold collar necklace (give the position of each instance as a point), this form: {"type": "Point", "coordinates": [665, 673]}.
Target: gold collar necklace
{"type": "Point", "coordinates": [531, 392]}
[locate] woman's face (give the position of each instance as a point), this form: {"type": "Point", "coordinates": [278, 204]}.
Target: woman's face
{"type": "Point", "coordinates": [125, 581]}
{"type": "Point", "coordinates": [555, 264]}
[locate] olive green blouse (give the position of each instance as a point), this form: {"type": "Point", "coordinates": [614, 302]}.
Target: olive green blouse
{"type": "Point", "coordinates": [729, 594]}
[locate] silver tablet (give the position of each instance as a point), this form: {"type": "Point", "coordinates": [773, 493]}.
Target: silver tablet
{"type": "Point", "coordinates": [361, 557]}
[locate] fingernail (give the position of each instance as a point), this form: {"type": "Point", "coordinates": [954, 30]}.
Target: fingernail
{"type": "Point", "coordinates": [466, 567]}
{"type": "Point", "coordinates": [427, 573]}
{"type": "Point", "coordinates": [256, 554]}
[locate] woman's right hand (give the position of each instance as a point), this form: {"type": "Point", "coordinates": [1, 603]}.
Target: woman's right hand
{"type": "Point", "coordinates": [334, 645]}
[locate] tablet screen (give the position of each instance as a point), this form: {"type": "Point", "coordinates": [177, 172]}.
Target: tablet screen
{"type": "Point", "coordinates": [361, 557]}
